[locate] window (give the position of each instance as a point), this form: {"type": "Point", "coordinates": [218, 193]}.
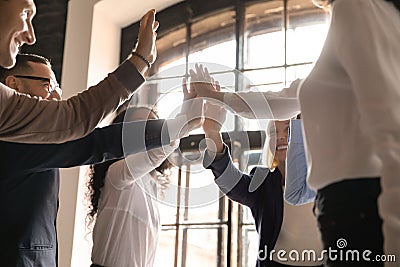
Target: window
{"type": "Point", "coordinates": [270, 42]}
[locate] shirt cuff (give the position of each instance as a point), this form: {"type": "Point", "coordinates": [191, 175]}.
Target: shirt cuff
{"type": "Point", "coordinates": [217, 162]}
{"type": "Point", "coordinates": [129, 76]}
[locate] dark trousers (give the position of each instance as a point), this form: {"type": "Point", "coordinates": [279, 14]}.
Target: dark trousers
{"type": "Point", "coordinates": [348, 219]}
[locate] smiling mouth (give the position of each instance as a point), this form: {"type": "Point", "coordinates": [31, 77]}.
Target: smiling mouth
{"type": "Point", "coordinates": [281, 147]}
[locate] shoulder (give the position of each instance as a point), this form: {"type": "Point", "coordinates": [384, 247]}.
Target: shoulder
{"type": "Point", "coordinates": [263, 176]}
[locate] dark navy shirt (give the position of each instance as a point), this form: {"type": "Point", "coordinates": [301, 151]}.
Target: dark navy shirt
{"type": "Point", "coordinates": [264, 201]}
{"type": "Point", "coordinates": [29, 185]}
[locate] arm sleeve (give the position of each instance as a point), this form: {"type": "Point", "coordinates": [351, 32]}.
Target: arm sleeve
{"type": "Point", "coordinates": [137, 165]}
{"type": "Point", "coordinates": [371, 61]}
{"type": "Point", "coordinates": [297, 191]}
{"type": "Point", "coordinates": [265, 105]}
{"type": "Point", "coordinates": [103, 144]}
{"type": "Point", "coordinates": [34, 120]}
{"type": "Point", "coordinates": [231, 181]}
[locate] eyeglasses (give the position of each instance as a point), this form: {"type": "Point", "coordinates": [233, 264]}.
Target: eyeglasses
{"type": "Point", "coordinates": [53, 85]}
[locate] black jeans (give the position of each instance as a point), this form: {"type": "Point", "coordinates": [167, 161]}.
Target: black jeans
{"type": "Point", "coordinates": [349, 222]}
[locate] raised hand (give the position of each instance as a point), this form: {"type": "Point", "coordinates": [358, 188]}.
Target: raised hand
{"type": "Point", "coordinates": [146, 44]}
{"type": "Point", "coordinates": [202, 83]}
{"type": "Point", "coordinates": [192, 107]}
{"type": "Point", "coordinates": [214, 118]}
{"type": "Point", "coordinates": [214, 114]}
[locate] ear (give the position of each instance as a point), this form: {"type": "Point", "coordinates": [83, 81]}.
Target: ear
{"type": "Point", "coordinates": [12, 82]}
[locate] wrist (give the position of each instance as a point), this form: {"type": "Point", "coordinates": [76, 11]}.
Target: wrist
{"type": "Point", "coordinates": [214, 142]}
{"type": "Point", "coordinates": [178, 127]}
{"type": "Point", "coordinates": [139, 63]}
{"type": "Point", "coordinates": [143, 58]}
{"type": "Point", "coordinates": [212, 133]}
{"type": "Point", "coordinates": [219, 96]}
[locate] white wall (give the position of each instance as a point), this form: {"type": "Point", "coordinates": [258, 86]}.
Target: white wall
{"type": "Point", "coordinates": [74, 79]}
{"type": "Point", "coordinates": [92, 47]}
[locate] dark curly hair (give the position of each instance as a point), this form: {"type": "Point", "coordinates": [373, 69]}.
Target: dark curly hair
{"type": "Point", "coordinates": [98, 173]}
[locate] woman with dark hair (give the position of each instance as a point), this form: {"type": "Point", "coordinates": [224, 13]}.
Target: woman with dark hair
{"type": "Point", "coordinates": [123, 197]}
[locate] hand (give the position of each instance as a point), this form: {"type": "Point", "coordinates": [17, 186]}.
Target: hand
{"type": "Point", "coordinates": [202, 83]}
{"type": "Point", "coordinates": [146, 44]}
{"type": "Point", "coordinates": [214, 115]}
{"type": "Point", "coordinates": [192, 107]}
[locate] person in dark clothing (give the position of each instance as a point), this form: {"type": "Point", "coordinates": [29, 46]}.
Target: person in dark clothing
{"type": "Point", "coordinates": [25, 119]}
{"type": "Point", "coordinates": [29, 181]}
{"type": "Point", "coordinates": [281, 226]}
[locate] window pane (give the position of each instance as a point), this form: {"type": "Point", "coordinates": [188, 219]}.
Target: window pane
{"type": "Point", "coordinates": [305, 43]}
{"type": "Point", "coordinates": [298, 72]}
{"type": "Point", "coordinates": [169, 104]}
{"type": "Point", "coordinates": [204, 247]}
{"type": "Point", "coordinates": [306, 32]}
{"type": "Point", "coordinates": [265, 50]}
{"type": "Point", "coordinates": [203, 197]}
{"type": "Point", "coordinates": [249, 246]}
{"type": "Point", "coordinates": [165, 254]}
{"type": "Point", "coordinates": [223, 53]}
{"type": "Point", "coordinates": [213, 39]}
{"type": "Point", "coordinates": [171, 49]}
{"type": "Point", "coordinates": [167, 202]}
{"type": "Point", "coordinates": [173, 69]}
{"type": "Point", "coordinates": [264, 38]}
{"type": "Point", "coordinates": [266, 79]}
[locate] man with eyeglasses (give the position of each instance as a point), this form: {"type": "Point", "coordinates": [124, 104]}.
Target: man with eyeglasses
{"type": "Point", "coordinates": [49, 84]}
{"type": "Point", "coordinates": [22, 117]}
{"type": "Point", "coordinates": [29, 181]}
{"type": "Point", "coordinates": [40, 80]}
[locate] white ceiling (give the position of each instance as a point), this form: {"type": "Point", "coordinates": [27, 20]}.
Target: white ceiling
{"type": "Point", "coordinates": [125, 12]}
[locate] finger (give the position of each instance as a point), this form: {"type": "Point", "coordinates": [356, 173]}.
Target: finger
{"type": "Point", "coordinates": [207, 74]}
{"type": "Point", "coordinates": [193, 76]}
{"type": "Point", "coordinates": [149, 19]}
{"type": "Point", "coordinates": [156, 25]}
{"type": "Point", "coordinates": [184, 86]}
{"type": "Point", "coordinates": [145, 18]}
{"type": "Point", "coordinates": [186, 94]}
{"type": "Point", "coordinates": [200, 73]}
{"type": "Point", "coordinates": [217, 86]}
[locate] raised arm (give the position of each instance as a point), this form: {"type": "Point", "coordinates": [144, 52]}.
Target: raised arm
{"type": "Point", "coordinates": [281, 105]}
{"type": "Point", "coordinates": [137, 165]}
{"type": "Point", "coordinates": [229, 179]}
{"type": "Point", "coordinates": [297, 191]}
{"type": "Point", "coordinates": [102, 144]}
{"type": "Point", "coordinates": [32, 120]}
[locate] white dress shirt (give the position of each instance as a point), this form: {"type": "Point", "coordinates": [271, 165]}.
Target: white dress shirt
{"type": "Point", "coordinates": [350, 105]}
{"type": "Point", "coordinates": [128, 224]}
